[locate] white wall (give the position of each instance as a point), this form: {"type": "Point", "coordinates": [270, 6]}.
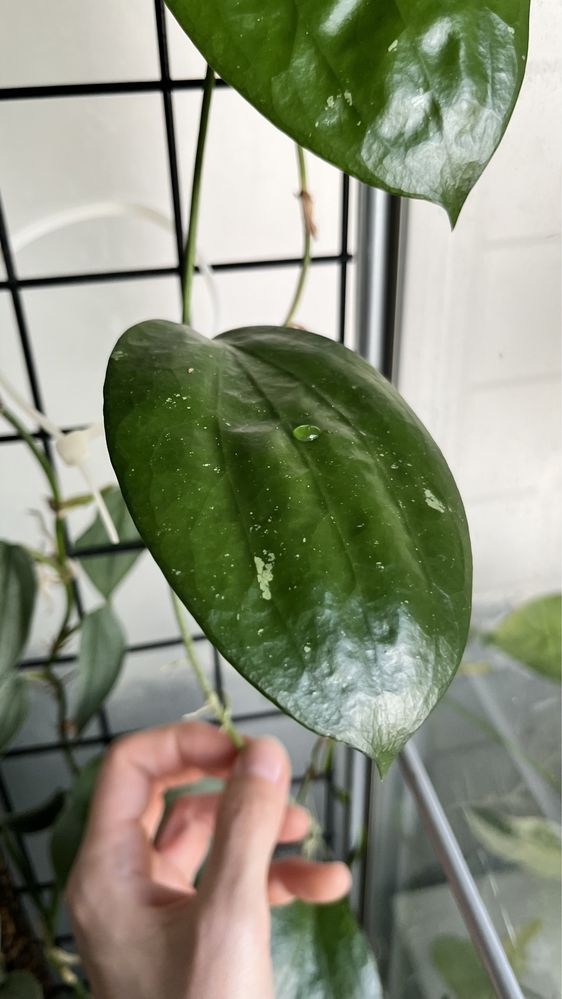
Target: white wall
{"type": "Point", "coordinates": [480, 336]}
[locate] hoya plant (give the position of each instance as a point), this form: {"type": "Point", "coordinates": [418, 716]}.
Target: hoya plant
{"type": "Point", "coordinates": [293, 501]}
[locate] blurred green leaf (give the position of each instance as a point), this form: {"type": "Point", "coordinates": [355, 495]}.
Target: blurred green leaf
{"type": "Point", "coordinates": [107, 571]}
{"type": "Point", "coordinates": [319, 952]}
{"type": "Point", "coordinates": [533, 843]}
{"type": "Point", "coordinates": [20, 985]}
{"type": "Point", "coordinates": [102, 647]}
{"type": "Point", "coordinates": [532, 634]}
{"type": "Point", "coordinates": [13, 706]}
{"type": "Point", "coordinates": [17, 589]}
{"type": "Point", "coordinates": [459, 966]}
{"type": "Point", "coordinates": [35, 819]}
{"type": "Point", "coordinates": [69, 827]}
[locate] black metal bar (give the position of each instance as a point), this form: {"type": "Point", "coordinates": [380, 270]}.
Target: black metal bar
{"type": "Point", "coordinates": [344, 257]}
{"type": "Point", "coordinates": [66, 658]}
{"type": "Point", "coordinates": [101, 277]}
{"type": "Point", "coordinates": [56, 90]}
{"type": "Point", "coordinates": [8, 806]}
{"type": "Point", "coordinates": [392, 265]}
{"type": "Point", "coordinates": [12, 285]}
{"type": "Point", "coordinates": [160, 17]}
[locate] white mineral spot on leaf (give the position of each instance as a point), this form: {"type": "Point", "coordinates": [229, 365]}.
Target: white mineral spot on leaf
{"type": "Point", "coordinates": [190, 371]}
{"type": "Point", "coordinates": [348, 97]}
{"type": "Point", "coordinates": [260, 631]}
{"type": "Point", "coordinates": [306, 648]}
{"type": "Point", "coordinates": [432, 501]}
{"type": "Point", "coordinates": [264, 570]}
{"type": "Point", "coordinates": [393, 45]}
{"type": "Point", "coordinates": [330, 102]}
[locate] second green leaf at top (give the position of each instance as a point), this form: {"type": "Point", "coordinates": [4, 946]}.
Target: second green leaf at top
{"type": "Point", "coordinates": [408, 96]}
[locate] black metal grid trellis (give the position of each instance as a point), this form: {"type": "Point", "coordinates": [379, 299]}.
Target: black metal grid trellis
{"type": "Point", "coordinates": [14, 286]}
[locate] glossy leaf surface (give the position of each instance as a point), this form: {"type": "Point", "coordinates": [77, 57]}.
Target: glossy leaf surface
{"type": "Point", "coordinates": [319, 952]}
{"type": "Point", "coordinates": [20, 985]}
{"type": "Point", "coordinates": [13, 706]}
{"type": "Point", "coordinates": [333, 573]}
{"type": "Point", "coordinates": [17, 589]}
{"type": "Point", "coordinates": [35, 819]}
{"type": "Point", "coordinates": [102, 647]}
{"type": "Point", "coordinates": [69, 828]}
{"type": "Point", "coordinates": [532, 634]}
{"type": "Point", "coordinates": [530, 841]}
{"type": "Point", "coordinates": [107, 571]}
{"type": "Point", "coordinates": [411, 97]}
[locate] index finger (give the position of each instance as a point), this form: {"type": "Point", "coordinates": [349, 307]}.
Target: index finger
{"type": "Point", "coordinates": [135, 763]}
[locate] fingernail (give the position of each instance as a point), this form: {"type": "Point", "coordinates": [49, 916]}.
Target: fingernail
{"type": "Point", "coordinates": [265, 758]}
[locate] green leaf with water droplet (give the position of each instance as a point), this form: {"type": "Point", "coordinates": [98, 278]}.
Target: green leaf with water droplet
{"type": "Point", "coordinates": [412, 97]}
{"type": "Point", "coordinates": [319, 952]}
{"type": "Point", "coordinates": [334, 575]}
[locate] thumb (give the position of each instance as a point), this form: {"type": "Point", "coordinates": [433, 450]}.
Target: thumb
{"type": "Point", "coordinates": [248, 823]}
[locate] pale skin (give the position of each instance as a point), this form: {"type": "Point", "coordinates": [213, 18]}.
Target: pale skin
{"type": "Point", "coordinates": [141, 927]}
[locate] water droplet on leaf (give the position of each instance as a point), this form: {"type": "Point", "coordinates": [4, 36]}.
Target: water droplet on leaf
{"type": "Point", "coordinates": [306, 432]}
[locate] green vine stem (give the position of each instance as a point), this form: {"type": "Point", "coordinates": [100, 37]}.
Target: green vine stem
{"type": "Point", "coordinates": [309, 231]}
{"type": "Point", "coordinates": [60, 564]}
{"type": "Point", "coordinates": [190, 246]}
{"type": "Point", "coordinates": [211, 698]}
{"type": "Point", "coordinates": [314, 841]}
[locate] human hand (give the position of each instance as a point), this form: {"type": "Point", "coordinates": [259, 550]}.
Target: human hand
{"type": "Point", "coordinates": [142, 929]}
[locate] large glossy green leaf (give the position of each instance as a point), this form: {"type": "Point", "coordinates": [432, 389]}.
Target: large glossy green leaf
{"type": "Point", "coordinates": [13, 706]}
{"type": "Point", "coordinates": [412, 97]}
{"type": "Point", "coordinates": [107, 571]}
{"type": "Point", "coordinates": [69, 828]}
{"type": "Point", "coordinates": [319, 952]}
{"type": "Point", "coordinates": [20, 985]}
{"type": "Point", "coordinates": [461, 969]}
{"type": "Point", "coordinates": [532, 842]}
{"type": "Point", "coordinates": [532, 634]}
{"type": "Point", "coordinates": [303, 515]}
{"type": "Point", "coordinates": [102, 647]}
{"type": "Point", "coordinates": [17, 591]}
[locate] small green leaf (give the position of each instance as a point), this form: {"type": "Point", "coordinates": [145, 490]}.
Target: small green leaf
{"type": "Point", "coordinates": [460, 968]}
{"type": "Point", "coordinates": [531, 842]}
{"type": "Point", "coordinates": [13, 707]}
{"type": "Point", "coordinates": [532, 634]}
{"type": "Point", "coordinates": [107, 571]}
{"type": "Point", "coordinates": [20, 985]}
{"type": "Point", "coordinates": [334, 573]}
{"type": "Point", "coordinates": [319, 952]}
{"type": "Point", "coordinates": [69, 827]}
{"type": "Point", "coordinates": [35, 819]}
{"type": "Point", "coordinates": [410, 97]}
{"type": "Point", "coordinates": [17, 587]}
{"type": "Point", "coordinates": [102, 647]}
